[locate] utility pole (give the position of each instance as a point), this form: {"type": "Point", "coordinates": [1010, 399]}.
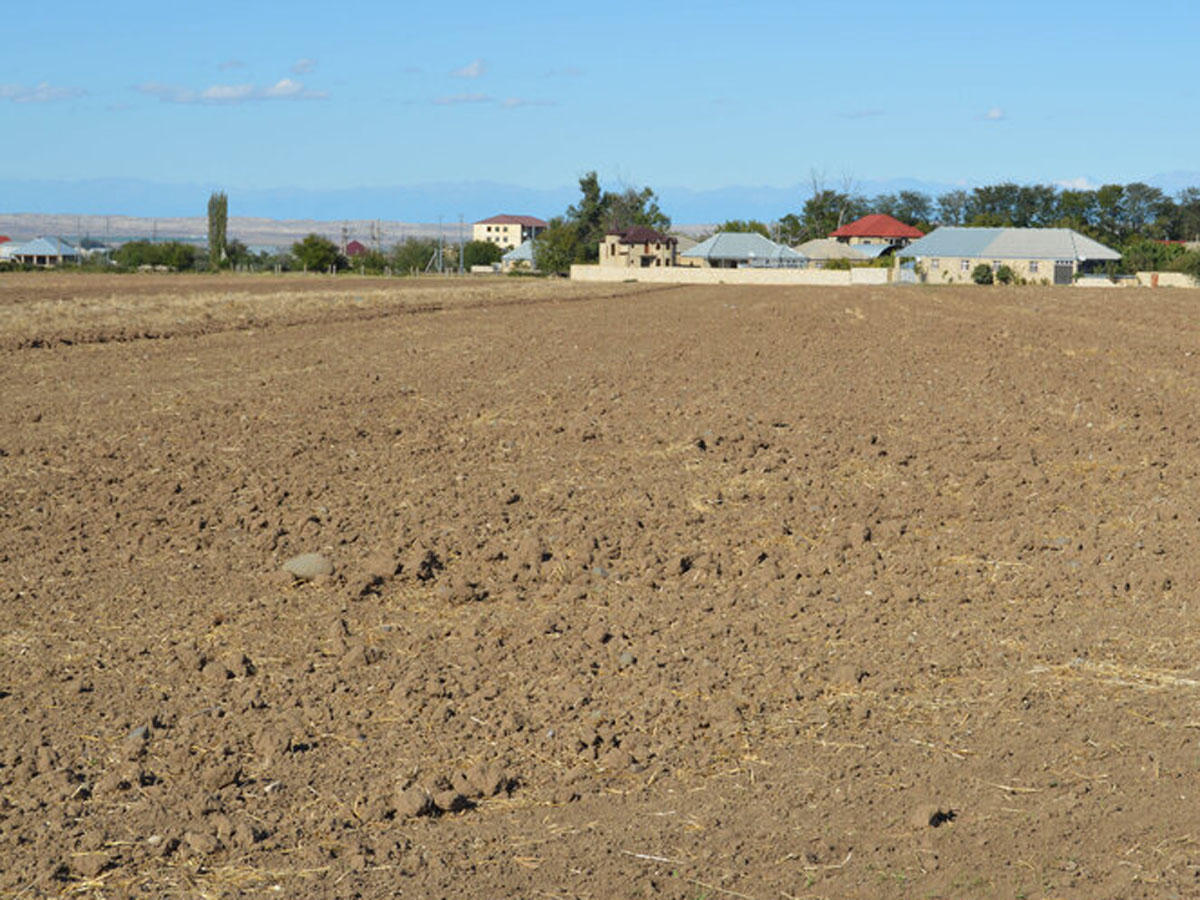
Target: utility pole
{"type": "Point", "coordinates": [460, 244]}
{"type": "Point", "coordinates": [441, 244]}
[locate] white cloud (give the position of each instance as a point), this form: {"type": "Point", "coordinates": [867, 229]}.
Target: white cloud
{"type": "Point", "coordinates": [473, 69]}
{"type": "Point", "coordinates": [457, 99]}
{"type": "Point", "coordinates": [1082, 183]}
{"type": "Point", "coordinates": [228, 94]}
{"type": "Point", "coordinates": [995, 114]}
{"type": "Point", "coordinates": [231, 64]}
{"type": "Point", "coordinates": [489, 100]}
{"type": "Point", "coordinates": [38, 93]}
{"type": "Point", "coordinates": [303, 66]}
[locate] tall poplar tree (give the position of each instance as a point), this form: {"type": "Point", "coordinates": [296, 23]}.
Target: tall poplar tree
{"type": "Point", "coordinates": [218, 215]}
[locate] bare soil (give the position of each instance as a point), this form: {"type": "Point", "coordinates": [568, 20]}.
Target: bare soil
{"type": "Point", "coordinates": [683, 592]}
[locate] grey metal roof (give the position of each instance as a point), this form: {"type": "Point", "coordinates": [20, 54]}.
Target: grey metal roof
{"type": "Point", "coordinates": [520, 253]}
{"type": "Point", "coordinates": [742, 247]}
{"type": "Point", "coordinates": [42, 246]}
{"type": "Point", "coordinates": [1009, 243]}
{"type": "Point", "coordinates": [827, 248]}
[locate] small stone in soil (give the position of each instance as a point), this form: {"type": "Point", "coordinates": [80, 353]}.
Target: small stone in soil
{"type": "Point", "coordinates": [307, 566]}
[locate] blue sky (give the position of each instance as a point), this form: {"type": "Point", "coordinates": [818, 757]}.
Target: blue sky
{"type": "Point", "coordinates": [319, 96]}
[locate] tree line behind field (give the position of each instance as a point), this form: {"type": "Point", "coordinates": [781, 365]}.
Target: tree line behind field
{"type": "Point", "coordinates": [313, 254]}
{"type": "Point", "coordinates": [1144, 223]}
{"type": "Point", "coordinates": [1148, 226]}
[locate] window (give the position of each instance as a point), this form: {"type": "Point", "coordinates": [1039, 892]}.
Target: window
{"type": "Point", "coordinates": [935, 264]}
{"type": "Point", "coordinates": [965, 265]}
{"type": "Point", "coordinates": [1033, 267]}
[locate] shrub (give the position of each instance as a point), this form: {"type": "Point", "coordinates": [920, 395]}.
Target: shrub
{"type": "Point", "coordinates": [480, 253]}
{"type": "Point", "coordinates": [982, 274]}
{"type": "Point", "coordinates": [171, 254]}
{"type": "Point", "coordinates": [316, 253]}
{"type": "Point", "coordinates": [1005, 275]}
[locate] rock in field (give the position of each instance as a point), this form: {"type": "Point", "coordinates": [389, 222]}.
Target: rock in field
{"type": "Point", "coordinates": [307, 566]}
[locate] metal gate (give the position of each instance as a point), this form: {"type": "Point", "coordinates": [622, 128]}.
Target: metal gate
{"type": "Point", "coordinates": [1064, 271]}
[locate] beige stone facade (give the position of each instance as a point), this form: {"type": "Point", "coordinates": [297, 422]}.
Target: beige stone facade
{"type": "Point", "coordinates": [506, 231]}
{"type": "Point", "coordinates": [957, 269]}
{"type": "Point", "coordinates": [638, 248]}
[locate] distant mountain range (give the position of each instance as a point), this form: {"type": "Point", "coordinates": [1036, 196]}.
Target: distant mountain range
{"type": "Point", "coordinates": [125, 207]}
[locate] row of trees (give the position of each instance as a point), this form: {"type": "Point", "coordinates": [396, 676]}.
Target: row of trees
{"type": "Point", "coordinates": [1113, 214]}
{"type": "Point", "coordinates": [414, 255]}
{"type": "Point", "coordinates": [1133, 217]}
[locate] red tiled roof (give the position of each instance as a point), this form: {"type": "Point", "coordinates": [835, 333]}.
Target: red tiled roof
{"type": "Point", "coordinates": [4, 237]}
{"type": "Point", "coordinates": [505, 219]}
{"type": "Point", "coordinates": [642, 234]}
{"type": "Point", "coordinates": [878, 225]}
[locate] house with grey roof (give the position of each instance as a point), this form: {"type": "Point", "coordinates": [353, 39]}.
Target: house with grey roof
{"type": "Point", "coordinates": [821, 251]}
{"type": "Point", "coordinates": [742, 250]}
{"type": "Point", "coordinates": [42, 251]}
{"type": "Point", "coordinates": [519, 257]}
{"type": "Point", "coordinates": [1038, 255]}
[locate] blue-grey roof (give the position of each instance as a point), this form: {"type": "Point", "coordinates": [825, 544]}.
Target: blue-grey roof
{"type": "Point", "coordinates": [742, 247]}
{"type": "Point", "coordinates": [1009, 243]}
{"type": "Point", "coordinates": [872, 251]}
{"type": "Point", "coordinates": [42, 246]}
{"type": "Point", "coordinates": [521, 253]}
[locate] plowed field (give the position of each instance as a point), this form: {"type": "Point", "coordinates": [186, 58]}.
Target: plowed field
{"type": "Point", "coordinates": [679, 592]}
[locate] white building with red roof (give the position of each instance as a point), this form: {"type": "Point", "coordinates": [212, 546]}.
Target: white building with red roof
{"type": "Point", "coordinates": [877, 228]}
{"type": "Point", "coordinates": [507, 231]}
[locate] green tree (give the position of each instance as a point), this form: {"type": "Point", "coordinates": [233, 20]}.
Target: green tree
{"type": "Point", "coordinates": [588, 218]}
{"type": "Point", "coordinates": [1005, 274]}
{"type": "Point", "coordinates": [412, 256]}
{"type": "Point", "coordinates": [952, 207]}
{"type": "Point", "coordinates": [1185, 224]}
{"type": "Point", "coordinates": [600, 211]}
{"type": "Point", "coordinates": [993, 205]}
{"type": "Point", "coordinates": [480, 253]}
{"type": "Point", "coordinates": [1076, 209]}
{"type": "Point", "coordinates": [790, 229]}
{"type": "Point", "coordinates": [238, 255]}
{"type": "Point", "coordinates": [218, 217]}
{"type": "Point", "coordinates": [1147, 211]}
{"type": "Point", "coordinates": [557, 247]}
{"type": "Point", "coordinates": [1110, 212]}
{"type": "Point", "coordinates": [982, 274]}
{"type": "Point", "coordinates": [371, 262]}
{"type": "Point", "coordinates": [827, 210]}
{"type": "Point", "coordinates": [1189, 262]}
{"type": "Point", "coordinates": [632, 207]}
{"type": "Point", "coordinates": [317, 253]}
{"type": "Point", "coordinates": [913, 207]}
{"type": "Point", "coordinates": [1143, 255]}
{"type": "Point", "coordinates": [170, 254]}
{"type": "Point", "coordinates": [746, 226]}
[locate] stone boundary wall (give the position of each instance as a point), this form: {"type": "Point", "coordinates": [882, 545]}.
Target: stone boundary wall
{"type": "Point", "coordinates": [688, 275]}
{"type": "Point", "coordinates": [1166, 279]}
